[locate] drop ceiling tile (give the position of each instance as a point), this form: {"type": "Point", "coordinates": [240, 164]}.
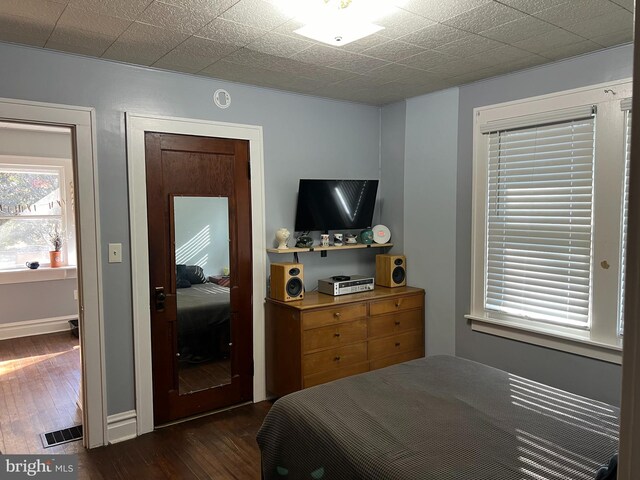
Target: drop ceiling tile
{"type": "Point", "coordinates": [397, 72]}
{"type": "Point", "coordinates": [176, 18]}
{"type": "Point", "coordinates": [615, 38]}
{"type": "Point", "coordinates": [279, 45]}
{"type": "Point", "coordinates": [194, 54]}
{"type": "Point", "coordinates": [356, 63]}
{"type": "Point", "coordinates": [484, 17]}
{"type": "Point", "coordinates": [43, 10]}
{"type": "Point", "coordinates": [468, 46]}
{"type": "Point", "coordinates": [25, 30]}
{"type": "Point", "coordinates": [93, 48]}
{"type": "Point", "coordinates": [500, 55]}
{"type": "Point", "coordinates": [207, 7]}
{"type": "Point", "coordinates": [128, 9]}
{"type": "Point", "coordinates": [80, 41]}
{"type": "Point", "coordinates": [571, 50]}
{"type": "Point", "coordinates": [360, 81]}
{"type": "Point", "coordinates": [364, 43]}
{"type": "Point", "coordinates": [611, 22]}
{"type": "Point", "coordinates": [434, 36]}
{"type": "Point", "coordinates": [515, 65]}
{"type": "Point", "coordinates": [548, 40]}
{"type": "Point", "coordinates": [324, 74]}
{"type": "Point", "coordinates": [144, 44]}
{"type": "Point", "coordinates": [533, 6]}
{"type": "Point", "coordinates": [627, 4]}
{"type": "Point", "coordinates": [455, 67]}
{"type": "Point", "coordinates": [257, 13]}
{"type": "Point", "coordinates": [439, 10]}
{"type": "Point", "coordinates": [226, 31]}
{"type": "Point", "coordinates": [401, 23]}
{"type": "Point", "coordinates": [428, 60]}
{"type": "Point", "coordinates": [518, 29]}
{"type": "Point", "coordinates": [246, 56]}
{"type": "Point", "coordinates": [393, 50]}
{"type": "Point", "coordinates": [576, 11]}
{"type": "Point", "coordinates": [75, 18]}
{"type": "Point", "coordinates": [320, 55]}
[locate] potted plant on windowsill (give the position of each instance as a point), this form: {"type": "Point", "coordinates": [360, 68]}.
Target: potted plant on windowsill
{"type": "Point", "coordinates": [55, 255]}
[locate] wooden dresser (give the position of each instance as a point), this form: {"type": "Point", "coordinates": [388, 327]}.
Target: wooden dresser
{"type": "Point", "coordinates": [323, 338]}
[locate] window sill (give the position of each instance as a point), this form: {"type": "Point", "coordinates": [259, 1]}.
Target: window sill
{"type": "Point", "coordinates": [578, 343]}
{"type": "Point", "coordinates": [42, 274]}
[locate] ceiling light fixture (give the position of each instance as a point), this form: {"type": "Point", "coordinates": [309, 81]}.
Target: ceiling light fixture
{"type": "Point", "coordinates": [338, 22]}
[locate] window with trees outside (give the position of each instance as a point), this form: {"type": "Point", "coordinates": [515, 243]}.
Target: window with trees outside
{"type": "Point", "coordinates": [35, 203]}
{"type": "Point", "coordinates": [549, 220]}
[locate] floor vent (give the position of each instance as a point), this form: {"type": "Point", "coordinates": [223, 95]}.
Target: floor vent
{"type": "Point", "coordinates": [59, 437]}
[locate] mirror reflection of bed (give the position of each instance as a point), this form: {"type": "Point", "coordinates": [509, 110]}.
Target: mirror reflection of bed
{"type": "Point", "coordinates": [203, 282]}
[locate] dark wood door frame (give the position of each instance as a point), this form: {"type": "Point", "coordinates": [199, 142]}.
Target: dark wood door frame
{"type": "Point", "coordinates": [136, 126]}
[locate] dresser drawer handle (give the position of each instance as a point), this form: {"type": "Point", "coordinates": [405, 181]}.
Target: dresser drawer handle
{"type": "Point", "coordinates": [336, 359]}
{"type": "Point", "coordinates": [397, 322]}
{"type": "Point", "coordinates": [398, 304]}
{"type": "Point", "coordinates": [397, 344]}
{"type": "Point", "coordinates": [337, 314]}
{"type": "Point", "coordinates": [337, 334]}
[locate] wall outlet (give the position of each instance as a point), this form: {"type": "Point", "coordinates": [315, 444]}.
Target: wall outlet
{"type": "Point", "coordinates": [115, 253]}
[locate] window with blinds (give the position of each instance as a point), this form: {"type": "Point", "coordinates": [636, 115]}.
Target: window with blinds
{"type": "Point", "coordinates": [539, 221]}
{"type": "Point", "coordinates": [625, 213]}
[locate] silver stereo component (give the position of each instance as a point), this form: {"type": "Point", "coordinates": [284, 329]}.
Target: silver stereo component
{"type": "Point", "coordinates": [343, 285]}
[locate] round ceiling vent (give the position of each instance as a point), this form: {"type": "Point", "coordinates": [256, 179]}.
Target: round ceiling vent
{"type": "Point", "coordinates": [222, 98]}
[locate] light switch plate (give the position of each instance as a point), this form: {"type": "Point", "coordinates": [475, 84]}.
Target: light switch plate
{"type": "Point", "coordinates": [115, 253]}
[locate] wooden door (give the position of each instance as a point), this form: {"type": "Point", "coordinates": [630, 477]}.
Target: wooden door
{"type": "Point", "coordinates": [201, 333]}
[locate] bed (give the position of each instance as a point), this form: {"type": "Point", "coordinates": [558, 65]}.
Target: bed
{"type": "Point", "coordinates": [437, 418]}
{"type": "Point", "coordinates": [203, 320]}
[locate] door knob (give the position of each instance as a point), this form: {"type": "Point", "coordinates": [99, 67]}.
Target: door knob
{"type": "Point", "coordinates": [160, 298]}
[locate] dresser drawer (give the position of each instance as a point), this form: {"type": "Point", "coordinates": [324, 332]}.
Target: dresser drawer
{"type": "Point", "coordinates": [393, 359]}
{"type": "Point", "coordinates": [336, 373]}
{"type": "Point", "coordinates": [331, 316]}
{"type": "Point", "coordinates": [396, 304]}
{"type": "Point", "coordinates": [334, 335]}
{"type": "Point", "coordinates": [334, 358]}
{"type": "Point", "coordinates": [402, 321]}
{"type": "Point", "coordinates": [395, 345]}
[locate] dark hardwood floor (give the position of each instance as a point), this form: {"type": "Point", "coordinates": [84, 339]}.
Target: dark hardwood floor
{"type": "Point", "coordinates": [39, 388]}
{"type": "Point", "coordinates": [39, 384]}
{"type": "Point", "coordinates": [220, 447]}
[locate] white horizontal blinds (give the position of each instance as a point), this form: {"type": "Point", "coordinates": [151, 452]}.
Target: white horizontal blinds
{"type": "Point", "coordinates": [625, 213]}
{"type": "Point", "coordinates": [539, 217]}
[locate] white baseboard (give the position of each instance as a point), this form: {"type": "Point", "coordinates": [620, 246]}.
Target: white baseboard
{"type": "Point", "coordinates": [122, 426]}
{"type": "Point", "coordinates": [41, 326]}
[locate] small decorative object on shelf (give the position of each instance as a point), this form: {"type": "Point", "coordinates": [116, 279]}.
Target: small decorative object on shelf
{"type": "Point", "coordinates": [324, 239]}
{"type": "Point", "coordinates": [33, 265]}
{"type": "Point", "coordinates": [337, 239]}
{"type": "Point", "coordinates": [381, 234]}
{"type": "Point", "coordinates": [55, 255]}
{"type": "Point", "coordinates": [366, 236]}
{"type": "Point", "coordinates": [304, 241]}
{"type": "Point", "coordinates": [350, 239]}
{"type": "Point", "coordinates": [282, 235]}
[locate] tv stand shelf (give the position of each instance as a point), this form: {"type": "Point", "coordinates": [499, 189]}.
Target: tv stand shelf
{"type": "Point", "coordinates": [320, 248]}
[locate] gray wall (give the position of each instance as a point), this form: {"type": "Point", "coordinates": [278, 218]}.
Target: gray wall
{"type": "Point", "coordinates": [593, 378]}
{"type": "Point", "coordinates": [303, 137]}
{"type": "Point", "coordinates": [392, 159]}
{"type": "Point", "coordinates": [37, 300]}
{"type": "Point", "coordinates": [429, 213]}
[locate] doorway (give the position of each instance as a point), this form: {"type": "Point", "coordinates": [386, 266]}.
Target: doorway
{"type": "Point", "coordinates": [79, 123]}
{"type": "Point", "coordinates": [137, 126]}
{"type": "Point", "coordinates": [199, 223]}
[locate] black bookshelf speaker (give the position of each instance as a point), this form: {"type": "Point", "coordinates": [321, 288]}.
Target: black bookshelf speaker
{"type": "Point", "coordinates": [391, 270]}
{"type": "Point", "coordinates": [287, 281]}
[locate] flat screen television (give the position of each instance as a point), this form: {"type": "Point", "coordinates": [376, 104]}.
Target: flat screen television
{"type": "Point", "coordinates": [325, 205]}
